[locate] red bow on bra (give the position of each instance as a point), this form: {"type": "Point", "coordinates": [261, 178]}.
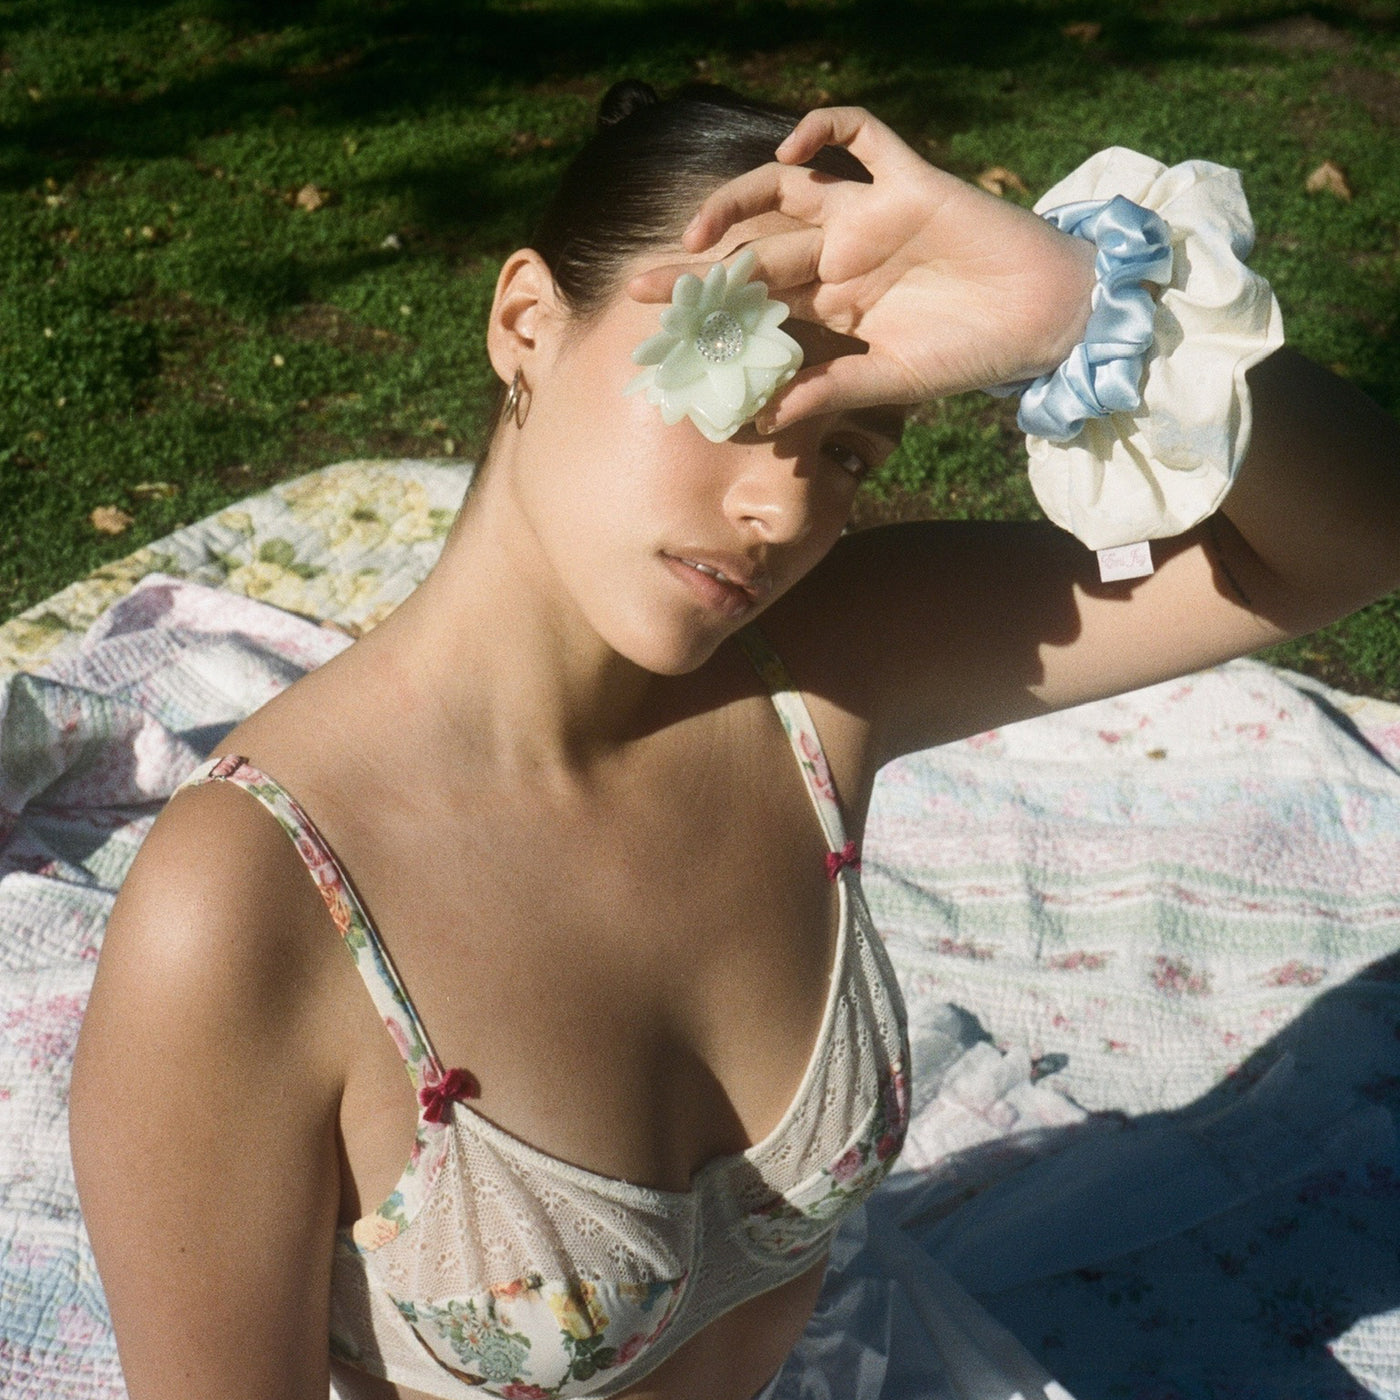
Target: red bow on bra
{"type": "Point", "coordinates": [837, 861]}
{"type": "Point", "coordinates": [456, 1085]}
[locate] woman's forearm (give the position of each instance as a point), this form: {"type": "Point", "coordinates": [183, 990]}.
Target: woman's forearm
{"type": "Point", "coordinates": [1317, 498]}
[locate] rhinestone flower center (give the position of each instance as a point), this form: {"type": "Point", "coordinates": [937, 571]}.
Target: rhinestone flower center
{"type": "Point", "coordinates": [720, 337]}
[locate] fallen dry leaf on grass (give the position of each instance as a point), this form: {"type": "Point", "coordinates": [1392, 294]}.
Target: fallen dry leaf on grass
{"type": "Point", "coordinates": [998, 179]}
{"type": "Point", "coordinates": [522, 143]}
{"type": "Point", "coordinates": [154, 490]}
{"type": "Point", "coordinates": [1328, 178]}
{"type": "Point", "coordinates": [311, 198]}
{"type": "Point", "coordinates": [109, 520]}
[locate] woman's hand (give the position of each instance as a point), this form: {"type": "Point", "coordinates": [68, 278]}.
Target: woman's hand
{"type": "Point", "coordinates": [950, 287]}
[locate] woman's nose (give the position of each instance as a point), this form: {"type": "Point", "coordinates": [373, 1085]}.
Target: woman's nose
{"type": "Point", "coordinates": [771, 497]}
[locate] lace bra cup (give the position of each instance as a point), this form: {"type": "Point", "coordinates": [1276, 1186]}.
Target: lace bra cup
{"type": "Point", "coordinates": [495, 1269]}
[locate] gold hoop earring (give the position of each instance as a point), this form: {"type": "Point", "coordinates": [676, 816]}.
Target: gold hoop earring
{"type": "Point", "coordinates": [511, 408]}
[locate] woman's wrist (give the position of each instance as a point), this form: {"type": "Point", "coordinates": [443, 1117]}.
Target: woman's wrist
{"type": "Point", "coordinates": [1101, 372]}
{"type": "Point", "coordinates": [1069, 289]}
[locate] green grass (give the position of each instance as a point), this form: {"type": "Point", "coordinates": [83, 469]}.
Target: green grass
{"type": "Point", "coordinates": [169, 315]}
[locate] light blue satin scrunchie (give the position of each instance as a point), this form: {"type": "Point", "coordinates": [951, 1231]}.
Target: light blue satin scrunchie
{"type": "Point", "coordinates": [1103, 373]}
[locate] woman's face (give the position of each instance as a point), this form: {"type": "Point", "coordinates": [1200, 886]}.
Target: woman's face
{"type": "Point", "coordinates": [668, 543]}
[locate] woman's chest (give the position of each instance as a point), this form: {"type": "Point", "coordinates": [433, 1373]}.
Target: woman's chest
{"type": "Point", "coordinates": [636, 994]}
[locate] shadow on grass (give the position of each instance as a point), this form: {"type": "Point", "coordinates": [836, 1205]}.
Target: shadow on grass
{"type": "Point", "coordinates": [280, 69]}
{"type": "Point", "coordinates": [342, 64]}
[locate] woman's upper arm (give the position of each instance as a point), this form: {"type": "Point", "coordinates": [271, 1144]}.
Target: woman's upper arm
{"type": "Point", "coordinates": [935, 631]}
{"type": "Point", "coordinates": [931, 631]}
{"type": "Point", "coordinates": [203, 1118]}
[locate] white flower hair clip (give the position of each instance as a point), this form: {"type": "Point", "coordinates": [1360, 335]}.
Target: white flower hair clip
{"type": "Point", "coordinates": [720, 355]}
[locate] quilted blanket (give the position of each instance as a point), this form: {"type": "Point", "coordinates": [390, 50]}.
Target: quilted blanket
{"type": "Point", "coordinates": [1151, 950]}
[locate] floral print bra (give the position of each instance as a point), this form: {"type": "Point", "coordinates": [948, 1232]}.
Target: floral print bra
{"type": "Point", "coordinates": [493, 1269]}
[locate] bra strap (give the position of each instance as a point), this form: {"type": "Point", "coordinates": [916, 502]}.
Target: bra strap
{"type": "Point", "coordinates": [802, 735]}
{"type": "Point", "coordinates": [434, 1085]}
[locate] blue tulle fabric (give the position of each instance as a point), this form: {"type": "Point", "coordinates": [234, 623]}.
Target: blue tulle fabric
{"type": "Point", "coordinates": [1103, 374]}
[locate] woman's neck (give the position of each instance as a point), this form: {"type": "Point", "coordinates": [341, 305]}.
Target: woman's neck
{"type": "Point", "coordinates": [492, 653]}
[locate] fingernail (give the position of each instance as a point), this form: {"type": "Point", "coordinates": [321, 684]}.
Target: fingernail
{"type": "Point", "coordinates": [766, 423]}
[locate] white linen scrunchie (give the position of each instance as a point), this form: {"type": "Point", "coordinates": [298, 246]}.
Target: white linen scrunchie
{"type": "Point", "coordinates": [1157, 470]}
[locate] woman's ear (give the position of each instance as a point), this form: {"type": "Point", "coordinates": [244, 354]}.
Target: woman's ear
{"type": "Point", "coordinates": [525, 310]}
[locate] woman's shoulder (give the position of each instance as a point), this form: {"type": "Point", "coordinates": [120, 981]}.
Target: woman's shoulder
{"type": "Point", "coordinates": [218, 910]}
{"type": "Point", "coordinates": [837, 618]}
{"type": "Point", "coordinates": [219, 852]}
{"type": "Point", "coordinates": [939, 621]}
{"type": "Point", "coordinates": [205, 1093]}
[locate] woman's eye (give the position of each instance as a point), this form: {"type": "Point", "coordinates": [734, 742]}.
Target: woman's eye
{"type": "Point", "coordinates": [848, 459]}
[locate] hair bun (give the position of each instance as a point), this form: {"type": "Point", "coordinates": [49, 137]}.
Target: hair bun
{"type": "Point", "coordinates": [624, 98]}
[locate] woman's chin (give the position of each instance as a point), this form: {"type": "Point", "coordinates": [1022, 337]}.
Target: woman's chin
{"type": "Point", "coordinates": [668, 652]}
{"type": "Point", "coordinates": [676, 661]}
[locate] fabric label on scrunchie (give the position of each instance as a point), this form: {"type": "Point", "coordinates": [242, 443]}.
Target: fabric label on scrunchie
{"type": "Point", "coordinates": [1125, 561]}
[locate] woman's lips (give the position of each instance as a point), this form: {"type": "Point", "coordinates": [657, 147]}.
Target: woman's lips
{"type": "Point", "coordinates": [715, 587]}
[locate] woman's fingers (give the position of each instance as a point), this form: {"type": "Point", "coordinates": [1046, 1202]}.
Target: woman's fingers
{"type": "Point", "coordinates": [656, 283]}
{"type": "Point", "coordinates": [786, 263]}
{"type": "Point", "coordinates": [789, 187]}
{"type": "Point", "coordinates": [865, 136]}
{"type": "Point", "coordinates": [797, 192]}
{"type": "Point", "coordinates": [852, 381]}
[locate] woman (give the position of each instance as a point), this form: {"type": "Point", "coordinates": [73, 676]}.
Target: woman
{"type": "Point", "coordinates": [654, 1050]}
